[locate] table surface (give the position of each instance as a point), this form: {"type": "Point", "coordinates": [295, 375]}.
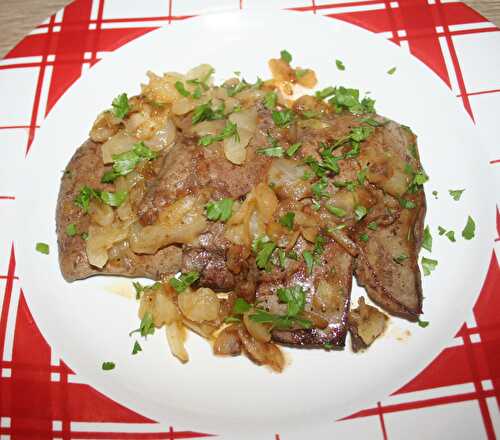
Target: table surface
{"type": "Point", "coordinates": [18, 17]}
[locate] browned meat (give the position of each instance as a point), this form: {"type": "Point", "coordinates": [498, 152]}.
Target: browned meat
{"type": "Point", "coordinates": [328, 296]}
{"type": "Point", "coordinates": [182, 172]}
{"type": "Point", "coordinates": [86, 168]}
{"type": "Point", "coordinates": [387, 265]}
{"type": "Point", "coordinates": [375, 178]}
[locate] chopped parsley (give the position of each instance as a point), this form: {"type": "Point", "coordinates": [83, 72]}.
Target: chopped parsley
{"type": "Point", "coordinates": [360, 134]}
{"type": "Point", "coordinates": [83, 198]}
{"type": "Point", "coordinates": [282, 258]}
{"type": "Point", "coordinates": [360, 212]}
{"type": "Point", "coordinates": [139, 289]}
{"type": "Point", "coordinates": [340, 65]}
{"type": "Point", "coordinates": [181, 282]}
{"type": "Point", "coordinates": [234, 90]}
{"type": "Point", "coordinates": [71, 230]}
{"type": "Point", "coordinates": [470, 229]}
{"type": "Point", "coordinates": [428, 265]}
{"type": "Point", "coordinates": [309, 260]}
{"type": "Point", "coordinates": [334, 229]}
{"type": "Point", "coordinates": [451, 236]}
{"type": "Point", "coordinates": [319, 188]}
{"type": "Point", "coordinates": [287, 220]}
{"type": "Point", "coordinates": [319, 245]}
{"type": "Point", "coordinates": [276, 151]}
{"type": "Point", "coordinates": [106, 366]}
{"type": "Point", "coordinates": [270, 100]}
{"type": "Point", "coordinates": [113, 198]}
{"type": "Point", "coordinates": [407, 204]}
{"type": "Point", "coordinates": [318, 169]}
{"type": "Point", "coordinates": [120, 106]}
{"type": "Point", "coordinates": [179, 86]}
{"type": "Point", "coordinates": [364, 237]}
{"type": "Point", "coordinates": [422, 324]}
{"type": "Point", "coordinates": [441, 230]}
{"type": "Point", "coordinates": [373, 226]}
{"type": "Point", "coordinates": [400, 258]}
{"type": "Point", "coordinates": [373, 122]}
{"type": "Point", "coordinates": [435, 194]}
{"type": "Point", "coordinates": [292, 149]}
{"type": "Point", "coordinates": [391, 71]}
{"type": "Point", "coordinates": [348, 99]}
{"type": "Point", "coordinates": [241, 306]}
{"type": "Point", "coordinates": [330, 162]}
{"type": "Point", "coordinates": [325, 93]}
{"type": "Point", "coordinates": [263, 247]}
{"type": "Point", "coordinates": [361, 176]}
{"type": "Point", "coordinates": [137, 348]}
{"type": "Point", "coordinates": [286, 56]}
{"type": "Point", "coordinates": [146, 326]}
{"type": "Point", "coordinates": [427, 240]}
{"type": "Point", "coordinates": [205, 112]}
{"type": "Point", "coordinates": [283, 118]}
{"type": "Point", "coordinates": [220, 210]}
{"type": "Point", "coordinates": [456, 193]}
{"type": "Point", "coordinates": [336, 211]}
{"type": "Point", "coordinates": [124, 163]}
{"type": "Point", "coordinates": [43, 248]}
{"type": "Point", "coordinates": [279, 321]}
{"type": "Point", "coordinates": [230, 130]}
{"type": "Point", "coordinates": [294, 297]}
{"type": "Point", "coordinates": [350, 185]}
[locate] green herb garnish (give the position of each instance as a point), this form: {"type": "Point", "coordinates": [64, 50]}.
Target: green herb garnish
{"type": "Point", "coordinates": [428, 265]}
{"type": "Point", "coordinates": [120, 106]}
{"type": "Point", "coordinates": [43, 248]}
{"type": "Point", "coordinates": [292, 149]}
{"type": "Point", "coordinates": [106, 366]}
{"type": "Point", "coordinates": [427, 240]}
{"type": "Point", "coordinates": [230, 130]}
{"type": "Point", "coordinates": [340, 65]}
{"type": "Point", "coordinates": [360, 212]}
{"type": "Point", "coordinates": [451, 236]}
{"type": "Point", "coordinates": [137, 348]}
{"type": "Point", "coordinates": [286, 56]}
{"type": "Point", "coordinates": [470, 229]}
{"type": "Point", "coordinates": [179, 86]}
{"type": "Point", "coordinates": [282, 118]}
{"type": "Point", "coordinates": [287, 220]}
{"type": "Point", "coordinates": [338, 212]}
{"type": "Point", "coordinates": [71, 230]}
{"type": "Point", "coordinates": [456, 193]}
{"type": "Point", "coordinates": [220, 210]}
{"type": "Point", "coordinates": [270, 100]}
{"type": "Point", "coordinates": [309, 260]}
{"type": "Point", "coordinates": [422, 324]}
{"type": "Point", "coordinates": [241, 306]}
{"type": "Point", "coordinates": [400, 258]}
{"type": "Point", "coordinates": [181, 282]}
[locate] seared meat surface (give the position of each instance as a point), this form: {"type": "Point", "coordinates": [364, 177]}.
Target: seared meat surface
{"type": "Point", "coordinates": [274, 203]}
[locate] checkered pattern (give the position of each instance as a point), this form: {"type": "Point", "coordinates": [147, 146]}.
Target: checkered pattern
{"type": "Point", "coordinates": [456, 396]}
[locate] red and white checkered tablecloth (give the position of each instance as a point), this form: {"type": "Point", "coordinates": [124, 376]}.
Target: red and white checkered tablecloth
{"type": "Point", "coordinates": [456, 396]}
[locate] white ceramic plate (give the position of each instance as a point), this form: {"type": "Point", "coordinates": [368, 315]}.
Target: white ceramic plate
{"type": "Point", "coordinates": [88, 324]}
